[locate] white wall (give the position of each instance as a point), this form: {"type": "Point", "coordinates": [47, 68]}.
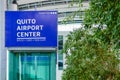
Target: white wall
{"type": "Point", "coordinates": [29, 1]}
{"type": "Point", "coordinates": [68, 27]}
{"type": "Point", "coordinates": [64, 30]}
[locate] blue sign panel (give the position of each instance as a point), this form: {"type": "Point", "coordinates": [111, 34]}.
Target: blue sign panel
{"type": "Point", "coordinates": [31, 29]}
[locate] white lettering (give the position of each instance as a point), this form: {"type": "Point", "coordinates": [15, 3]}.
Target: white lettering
{"type": "Point", "coordinates": [18, 28]}
{"type": "Point", "coordinates": [33, 21]}
{"type": "Point", "coordinates": [18, 34]}
{"type": "Point", "coordinates": [26, 21]}
{"type": "Point", "coordinates": [38, 34]}
{"type": "Point", "coordinates": [30, 27]}
{"type": "Point", "coordinates": [28, 34]}
{"type": "Point", "coordinates": [18, 21]}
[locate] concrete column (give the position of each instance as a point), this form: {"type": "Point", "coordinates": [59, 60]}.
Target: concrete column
{"type": "Point", "coordinates": [3, 50]}
{"type": "Point", "coordinates": [2, 40]}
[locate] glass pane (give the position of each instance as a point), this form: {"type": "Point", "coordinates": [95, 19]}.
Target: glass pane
{"type": "Point", "coordinates": [60, 54]}
{"type": "Point", "coordinates": [27, 68]}
{"type": "Point", "coordinates": [32, 66]}
{"type": "Point", "coordinates": [35, 67]}
{"type": "Point", "coordinates": [42, 68]}
{"type": "Point", "coordinates": [60, 43]}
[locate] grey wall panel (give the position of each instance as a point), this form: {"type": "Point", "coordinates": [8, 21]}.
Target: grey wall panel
{"type": "Point", "coordinates": [2, 40]}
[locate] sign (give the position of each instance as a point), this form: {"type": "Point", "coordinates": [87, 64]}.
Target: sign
{"type": "Point", "coordinates": [31, 28]}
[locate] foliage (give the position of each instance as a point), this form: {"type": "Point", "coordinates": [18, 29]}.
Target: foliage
{"type": "Point", "coordinates": [105, 12]}
{"type": "Point", "coordinates": [92, 53]}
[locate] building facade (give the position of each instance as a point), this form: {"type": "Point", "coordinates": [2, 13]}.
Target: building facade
{"type": "Point", "coordinates": [18, 63]}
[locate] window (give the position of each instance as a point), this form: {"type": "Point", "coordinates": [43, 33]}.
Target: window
{"type": "Point", "coordinates": [60, 43]}
{"type": "Point", "coordinates": [32, 65]}
{"type": "Point", "coordinates": [60, 55]}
